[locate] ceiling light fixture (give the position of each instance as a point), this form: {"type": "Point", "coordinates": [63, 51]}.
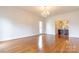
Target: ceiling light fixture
{"type": "Point", "coordinates": [45, 11]}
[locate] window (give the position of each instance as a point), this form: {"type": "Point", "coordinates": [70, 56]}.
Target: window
{"type": "Point", "coordinates": [40, 45]}
{"type": "Point", "coordinates": [40, 27]}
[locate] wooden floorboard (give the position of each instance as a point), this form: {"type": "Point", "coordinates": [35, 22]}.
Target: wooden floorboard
{"type": "Point", "coordinates": [50, 44]}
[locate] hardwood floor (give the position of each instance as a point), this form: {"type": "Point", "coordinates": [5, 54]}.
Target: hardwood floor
{"type": "Point", "coordinates": [48, 43]}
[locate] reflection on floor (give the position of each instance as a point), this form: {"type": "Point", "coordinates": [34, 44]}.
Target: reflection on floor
{"type": "Point", "coordinates": [40, 43]}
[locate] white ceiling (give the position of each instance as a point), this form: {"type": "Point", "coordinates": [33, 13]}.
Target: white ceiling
{"type": "Point", "coordinates": [54, 10]}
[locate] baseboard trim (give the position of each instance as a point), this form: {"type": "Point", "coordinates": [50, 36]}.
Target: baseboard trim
{"type": "Point", "coordinates": [19, 37]}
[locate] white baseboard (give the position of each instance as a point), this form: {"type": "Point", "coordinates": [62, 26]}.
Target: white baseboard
{"type": "Point", "coordinates": [17, 37]}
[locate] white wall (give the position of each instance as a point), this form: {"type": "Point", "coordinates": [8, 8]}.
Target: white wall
{"type": "Point", "coordinates": [17, 23]}
{"type": "Point", "coordinates": [73, 18]}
